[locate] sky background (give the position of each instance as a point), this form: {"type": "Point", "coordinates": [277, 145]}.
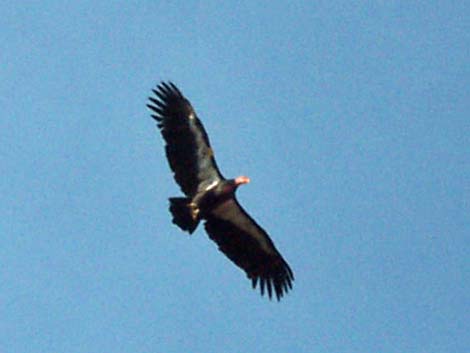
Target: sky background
{"type": "Point", "coordinates": [350, 118]}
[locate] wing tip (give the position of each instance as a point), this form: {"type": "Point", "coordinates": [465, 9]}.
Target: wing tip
{"type": "Point", "coordinates": [167, 88]}
{"type": "Point", "coordinates": [276, 284]}
{"type": "Point", "coordinates": [166, 97]}
{"type": "Point", "coordinates": [168, 101]}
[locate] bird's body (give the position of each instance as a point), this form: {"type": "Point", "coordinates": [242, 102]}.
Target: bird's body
{"type": "Point", "coordinates": [211, 197]}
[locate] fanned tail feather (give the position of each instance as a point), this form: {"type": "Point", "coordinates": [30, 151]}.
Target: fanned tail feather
{"type": "Point", "coordinates": [184, 215]}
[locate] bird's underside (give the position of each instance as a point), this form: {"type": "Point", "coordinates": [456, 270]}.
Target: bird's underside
{"type": "Point", "coordinates": [211, 198]}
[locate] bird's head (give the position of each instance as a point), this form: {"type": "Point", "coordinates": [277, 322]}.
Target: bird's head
{"type": "Point", "coordinates": [232, 184]}
{"type": "Point", "coordinates": [241, 180]}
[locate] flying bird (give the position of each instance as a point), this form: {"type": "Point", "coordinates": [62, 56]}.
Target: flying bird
{"type": "Point", "coordinates": [210, 197]}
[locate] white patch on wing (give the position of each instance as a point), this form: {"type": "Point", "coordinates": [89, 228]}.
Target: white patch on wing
{"type": "Point", "coordinates": [211, 185]}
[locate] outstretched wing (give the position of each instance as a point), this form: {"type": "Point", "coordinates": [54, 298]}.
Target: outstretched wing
{"type": "Point", "coordinates": [187, 145]}
{"type": "Point", "coordinates": [249, 247]}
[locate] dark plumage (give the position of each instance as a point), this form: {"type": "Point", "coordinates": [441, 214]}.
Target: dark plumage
{"type": "Point", "coordinates": [211, 197]}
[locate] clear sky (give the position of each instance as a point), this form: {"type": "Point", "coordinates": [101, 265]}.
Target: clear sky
{"type": "Point", "coordinates": [352, 120]}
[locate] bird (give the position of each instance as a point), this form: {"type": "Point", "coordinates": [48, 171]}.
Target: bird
{"type": "Point", "coordinates": [210, 198]}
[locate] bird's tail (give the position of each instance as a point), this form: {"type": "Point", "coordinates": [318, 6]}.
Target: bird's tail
{"type": "Point", "coordinates": [185, 214]}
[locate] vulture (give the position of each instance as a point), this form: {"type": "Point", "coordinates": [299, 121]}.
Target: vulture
{"type": "Point", "coordinates": [209, 197]}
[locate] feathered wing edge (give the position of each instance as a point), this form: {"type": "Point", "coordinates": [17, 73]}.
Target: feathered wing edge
{"type": "Point", "coordinates": [187, 145]}
{"type": "Point", "coordinates": [244, 242]}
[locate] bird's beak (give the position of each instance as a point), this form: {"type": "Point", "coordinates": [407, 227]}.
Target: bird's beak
{"type": "Point", "coordinates": [242, 180]}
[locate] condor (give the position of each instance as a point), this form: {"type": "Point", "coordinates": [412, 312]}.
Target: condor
{"type": "Point", "coordinates": [211, 198]}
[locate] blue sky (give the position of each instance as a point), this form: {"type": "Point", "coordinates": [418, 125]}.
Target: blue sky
{"type": "Point", "coordinates": [350, 118]}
